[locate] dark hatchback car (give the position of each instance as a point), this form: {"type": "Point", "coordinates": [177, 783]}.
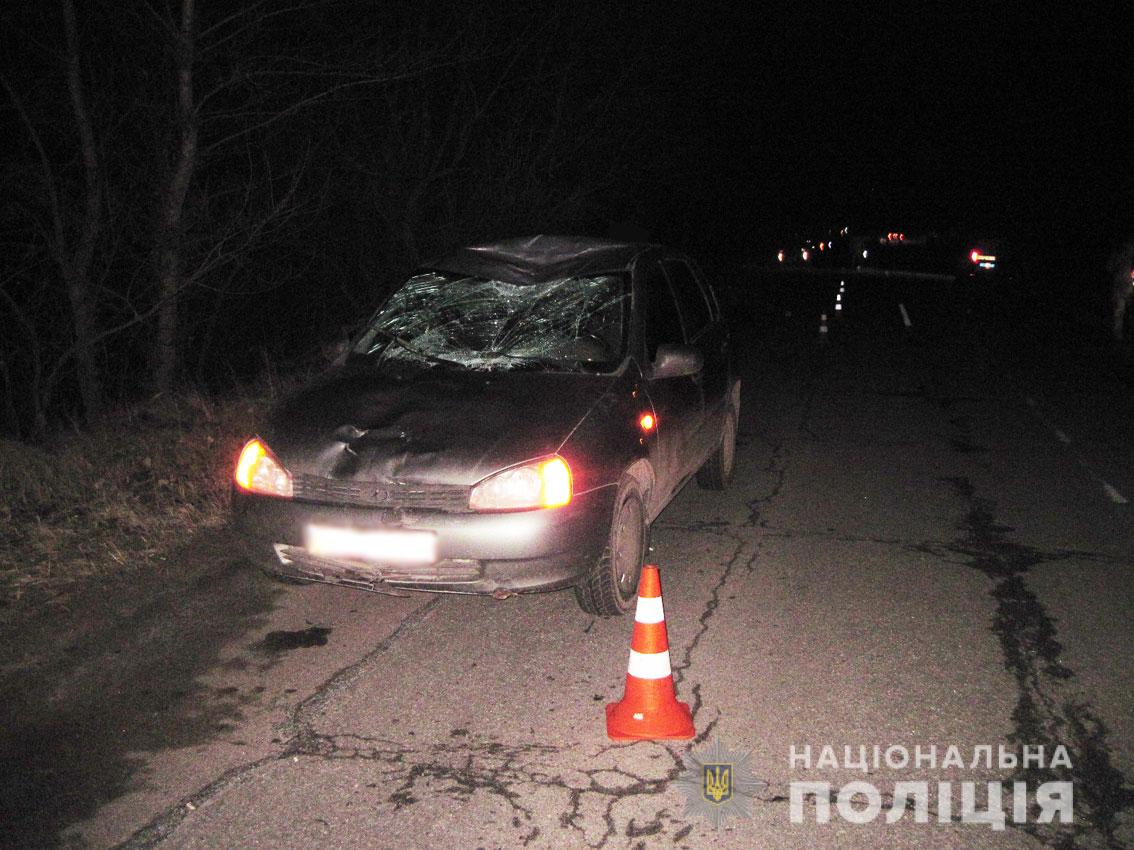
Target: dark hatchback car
{"type": "Point", "coordinates": [512, 419]}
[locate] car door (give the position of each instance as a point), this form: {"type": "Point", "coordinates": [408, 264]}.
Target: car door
{"type": "Point", "coordinates": [677, 401]}
{"type": "Point", "coordinates": [704, 330]}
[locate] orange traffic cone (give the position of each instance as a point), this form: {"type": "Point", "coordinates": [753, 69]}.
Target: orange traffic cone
{"type": "Point", "coordinates": [649, 709]}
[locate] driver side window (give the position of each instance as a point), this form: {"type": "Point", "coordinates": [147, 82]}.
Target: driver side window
{"type": "Point", "coordinates": [662, 320]}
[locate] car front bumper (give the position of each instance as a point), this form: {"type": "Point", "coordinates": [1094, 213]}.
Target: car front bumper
{"type": "Point", "coordinates": [476, 553]}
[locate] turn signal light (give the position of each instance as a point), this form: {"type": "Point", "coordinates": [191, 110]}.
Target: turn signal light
{"type": "Point", "coordinates": [555, 476]}
{"type": "Point", "coordinates": [258, 471]}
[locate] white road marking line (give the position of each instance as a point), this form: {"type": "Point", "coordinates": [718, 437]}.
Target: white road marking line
{"type": "Point", "coordinates": [905, 315]}
{"type": "Point", "coordinates": [1114, 495]}
{"type": "Point", "coordinates": [1059, 435]}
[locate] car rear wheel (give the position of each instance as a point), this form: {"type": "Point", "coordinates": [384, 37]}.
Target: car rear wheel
{"type": "Point", "coordinates": [609, 589]}
{"type": "Point", "coordinates": [717, 471]}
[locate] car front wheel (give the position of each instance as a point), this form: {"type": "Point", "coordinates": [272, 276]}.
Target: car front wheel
{"type": "Point", "coordinates": [609, 589]}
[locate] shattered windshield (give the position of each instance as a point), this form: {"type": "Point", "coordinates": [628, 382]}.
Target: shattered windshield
{"type": "Point", "coordinates": [570, 324]}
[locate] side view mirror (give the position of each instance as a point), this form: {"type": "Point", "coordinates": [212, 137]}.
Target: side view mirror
{"type": "Point", "coordinates": [676, 361]}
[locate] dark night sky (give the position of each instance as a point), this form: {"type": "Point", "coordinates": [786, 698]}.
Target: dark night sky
{"type": "Point", "coordinates": [974, 118]}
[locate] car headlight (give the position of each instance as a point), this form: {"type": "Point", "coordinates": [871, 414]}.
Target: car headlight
{"type": "Point", "coordinates": [258, 471]}
{"type": "Point", "coordinates": [541, 484]}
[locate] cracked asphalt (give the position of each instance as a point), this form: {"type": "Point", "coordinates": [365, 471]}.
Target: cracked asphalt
{"type": "Point", "coordinates": [917, 550]}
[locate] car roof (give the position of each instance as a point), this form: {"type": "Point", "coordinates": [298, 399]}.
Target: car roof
{"type": "Point", "coordinates": [535, 259]}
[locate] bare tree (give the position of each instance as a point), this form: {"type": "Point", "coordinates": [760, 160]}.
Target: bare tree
{"type": "Point", "coordinates": [76, 265]}
{"type": "Point", "coordinates": [171, 203]}
{"type": "Point", "coordinates": [72, 243]}
{"type": "Point", "coordinates": [216, 152]}
{"type": "Point", "coordinates": [527, 133]}
{"type": "Point", "coordinates": [241, 89]}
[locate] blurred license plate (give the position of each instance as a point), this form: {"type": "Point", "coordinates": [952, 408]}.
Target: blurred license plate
{"type": "Point", "coordinates": [384, 546]}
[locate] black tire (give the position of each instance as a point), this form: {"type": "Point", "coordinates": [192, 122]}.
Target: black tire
{"type": "Point", "coordinates": [717, 471]}
{"type": "Point", "coordinates": [611, 586]}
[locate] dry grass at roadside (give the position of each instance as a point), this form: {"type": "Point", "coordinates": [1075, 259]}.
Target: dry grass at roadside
{"type": "Point", "coordinates": [115, 500]}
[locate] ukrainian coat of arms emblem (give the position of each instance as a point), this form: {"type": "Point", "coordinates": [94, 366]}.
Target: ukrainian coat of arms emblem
{"type": "Point", "coordinates": [718, 783]}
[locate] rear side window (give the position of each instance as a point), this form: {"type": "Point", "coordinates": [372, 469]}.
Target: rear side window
{"type": "Point", "coordinates": [663, 322]}
{"type": "Point", "coordinates": [694, 307]}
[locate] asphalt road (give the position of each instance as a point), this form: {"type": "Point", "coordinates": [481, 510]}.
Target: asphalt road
{"type": "Point", "coordinates": [928, 543]}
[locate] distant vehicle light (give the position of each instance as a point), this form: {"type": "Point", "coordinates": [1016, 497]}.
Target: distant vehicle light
{"type": "Point", "coordinates": [865, 253]}
{"type": "Point", "coordinates": [647, 422]}
{"type": "Point", "coordinates": [806, 255]}
{"type": "Point", "coordinates": [780, 256]}
{"type": "Point", "coordinates": [975, 256]}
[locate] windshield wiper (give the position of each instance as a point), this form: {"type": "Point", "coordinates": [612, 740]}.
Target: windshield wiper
{"type": "Point", "coordinates": [413, 349]}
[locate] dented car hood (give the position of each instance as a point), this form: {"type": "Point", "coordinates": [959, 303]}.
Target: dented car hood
{"type": "Point", "coordinates": [437, 426]}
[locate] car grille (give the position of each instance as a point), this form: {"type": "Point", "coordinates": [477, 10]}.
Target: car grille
{"type": "Point", "coordinates": [380, 494]}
